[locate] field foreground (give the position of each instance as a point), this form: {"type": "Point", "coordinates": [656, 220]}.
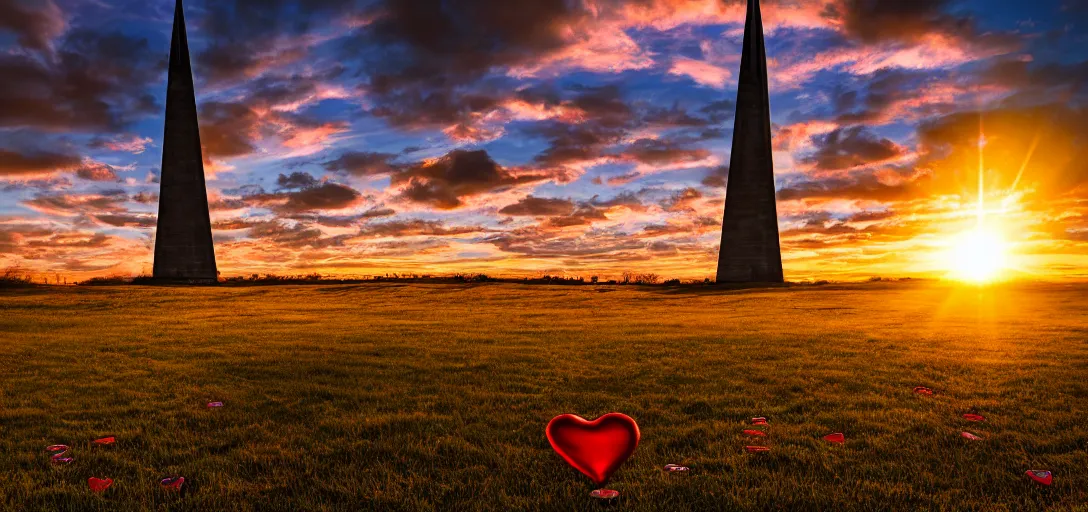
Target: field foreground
{"type": "Point", "coordinates": [417, 397]}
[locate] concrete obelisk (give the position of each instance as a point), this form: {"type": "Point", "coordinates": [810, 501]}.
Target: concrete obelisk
{"type": "Point", "coordinates": [750, 251]}
{"type": "Point", "coordinates": [183, 240]}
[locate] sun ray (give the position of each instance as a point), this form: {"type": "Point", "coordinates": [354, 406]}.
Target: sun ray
{"type": "Point", "coordinates": [1027, 159]}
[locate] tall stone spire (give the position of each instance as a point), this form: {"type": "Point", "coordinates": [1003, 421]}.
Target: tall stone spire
{"type": "Point", "coordinates": [750, 251]}
{"type": "Point", "coordinates": [183, 242]}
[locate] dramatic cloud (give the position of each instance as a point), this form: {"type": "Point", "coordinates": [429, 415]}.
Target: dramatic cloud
{"type": "Point", "coordinates": [539, 207]}
{"type": "Point", "coordinates": [362, 163]}
{"type": "Point", "coordinates": [76, 204]}
{"type": "Point", "coordinates": [98, 81]}
{"type": "Point", "coordinates": [94, 171]}
{"type": "Point", "coordinates": [703, 73]}
{"type": "Point", "coordinates": [228, 129]}
{"type": "Point", "coordinates": [446, 182]}
{"type": "Point", "coordinates": [851, 147]}
{"type": "Point", "coordinates": [324, 196]}
{"type": "Point", "coordinates": [250, 37]}
{"type": "Point", "coordinates": [415, 228]}
{"type": "Point", "coordinates": [866, 186]}
{"type": "Point", "coordinates": [296, 180]}
{"type": "Point", "coordinates": [874, 21]}
{"type": "Point", "coordinates": [14, 163]}
{"type": "Point", "coordinates": [35, 22]}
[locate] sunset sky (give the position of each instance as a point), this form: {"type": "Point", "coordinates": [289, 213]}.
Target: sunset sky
{"type": "Point", "coordinates": [578, 137]}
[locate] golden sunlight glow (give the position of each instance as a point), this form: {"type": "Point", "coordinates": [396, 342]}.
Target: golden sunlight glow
{"type": "Point", "coordinates": [978, 256]}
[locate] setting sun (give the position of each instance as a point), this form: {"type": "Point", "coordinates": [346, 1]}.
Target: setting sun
{"type": "Point", "coordinates": [977, 255]}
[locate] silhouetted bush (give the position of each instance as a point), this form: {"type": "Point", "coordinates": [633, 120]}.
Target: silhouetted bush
{"type": "Point", "coordinates": [471, 278]}
{"type": "Point", "coordinates": [278, 279]}
{"type": "Point", "coordinates": [108, 281]}
{"type": "Point", "coordinates": [672, 282]}
{"type": "Point", "coordinates": [549, 279]}
{"type": "Point", "coordinates": [15, 278]}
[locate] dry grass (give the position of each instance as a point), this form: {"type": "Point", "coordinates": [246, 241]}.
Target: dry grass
{"type": "Point", "coordinates": [417, 397]}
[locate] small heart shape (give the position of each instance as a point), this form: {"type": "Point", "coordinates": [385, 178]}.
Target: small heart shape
{"type": "Point", "coordinates": [755, 433]}
{"type": "Point", "coordinates": [596, 448]}
{"type": "Point", "coordinates": [973, 417]}
{"type": "Point", "coordinates": [922, 390]}
{"type": "Point", "coordinates": [759, 421]}
{"type": "Point", "coordinates": [99, 484]}
{"type": "Point", "coordinates": [757, 449]}
{"type": "Point", "coordinates": [60, 452]}
{"type": "Point", "coordinates": [173, 483]}
{"type": "Point", "coordinates": [970, 436]}
{"type": "Point", "coordinates": [1043, 477]}
{"type": "Point", "coordinates": [105, 441]}
{"type": "Point", "coordinates": [604, 494]}
{"type": "Point", "coordinates": [837, 438]}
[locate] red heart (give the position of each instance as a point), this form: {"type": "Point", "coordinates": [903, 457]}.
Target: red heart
{"type": "Point", "coordinates": [173, 483]}
{"type": "Point", "coordinates": [759, 421]}
{"type": "Point", "coordinates": [973, 417]}
{"type": "Point", "coordinates": [98, 484]}
{"type": "Point", "coordinates": [105, 441]}
{"type": "Point", "coordinates": [835, 438]}
{"type": "Point", "coordinates": [1043, 477]}
{"type": "Point", "coordinates": [755, 433]}
{"type": "Point", "coordinates": [922, 390]}
{"type": "Point", "coordinates": [605, 494]}
{"type": "Point", "coordinates": [596, 448]}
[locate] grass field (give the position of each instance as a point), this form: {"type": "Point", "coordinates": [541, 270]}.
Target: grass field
{"type": "Point", "coordinates": [420, 397]}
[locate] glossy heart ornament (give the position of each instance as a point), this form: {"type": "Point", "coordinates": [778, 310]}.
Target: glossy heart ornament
{"type": "Point", "coordinates": [173, 483]}
{"type": "Point", "coordinates": [60, 453]}
{"type": "Point", "coordinates": [99, 484]}
{"type": "Point", "coordinates": [837, 438]}
{"type": "Point", "coordinates": [974, 417]}
{"type": "Point", "coordinates": [596, 448]}
{"type": "Point", "coordinates": [1043, 477]}
{"type": "Point", "coordinates": [605, 494]}
{"type": "Point", "coordinates": [105, 441]}
{"type": "Point", "coordinates": [755, 433]}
